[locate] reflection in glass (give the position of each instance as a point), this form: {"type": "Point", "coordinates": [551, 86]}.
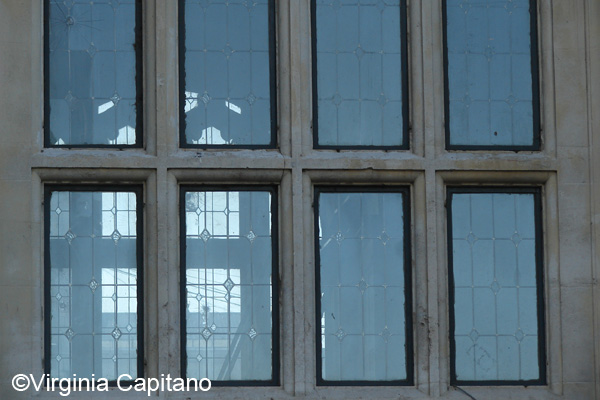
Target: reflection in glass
{"type": "Point", "coordinates": [93, 284]}
{"type": "Point", "coordinates": [228, 266]}
{"type": "Point", "coordinates": [362, 286]}
{"type": "Point", "coordinates": [495, 291]}
{"type": "Point", "coordinates": [227, 72]}
{"type": "Point", "coordinates": [92, 72]}
{"type": "Point", "coordinates": [359, 72]}
{"type": "Point", "coordinates": [490, 72]}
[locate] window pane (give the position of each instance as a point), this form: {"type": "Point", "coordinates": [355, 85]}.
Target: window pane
{"type": "Point", "coordinates": [227, 75]}
{"type": "Point", "coordinates": [92, 74]}
{"type": "Point", "coordinates": [363, 287]}
{"type": "Point", "coordinates": [360, 73]}
{"type": "Point", "coordinates": [494, 266]}
{"type": "Point", "coordinates": [93, 284]}
{"type": "Point", "coordinates": [490, 80]}
{"type": "Point", "coordinates": [228, 272]}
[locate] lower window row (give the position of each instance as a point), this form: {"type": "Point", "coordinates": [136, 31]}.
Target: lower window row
{"type": "Point", "coordinates": [229, 284]}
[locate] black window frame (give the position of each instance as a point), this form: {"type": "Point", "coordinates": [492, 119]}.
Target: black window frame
{"type": "Point", "coordinates": [275, 280]}
{"type": "Point", "coordinates": [406, 123]}
{"type": "Point", "coordinates": [540, 306]}
{"type": "Point", "coordinates": [408, 283]}
{"type": "Point", "coordinates": [138, 190]}
{"type": "Point", "coordinates": [139, 81]}
{"type": "Point", "coordinates": [535, 90]}
{"type": "Point", "coordinates": [273, 144]}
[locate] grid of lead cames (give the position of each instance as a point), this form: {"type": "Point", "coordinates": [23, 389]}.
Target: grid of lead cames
{"type": "Point", "coordinates": [229, 295]}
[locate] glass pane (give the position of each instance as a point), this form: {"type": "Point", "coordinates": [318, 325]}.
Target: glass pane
{"type": "Point", "coordinates": [227, 79]}
{"type": "Point", "coordinates": [362, 286]}
{"type": "Point", "coordinates": [228, 285]}
{"type": "Point", "coordinates": [494, 266]}
{"type": "Point", "coordinates": [92, 72]}
{"type": "Point", "coordinates": [490, 73]}
{"type": "Point", "coordinates": [359, 72]}
{"type": "Point", "coordinates": [93, 284]}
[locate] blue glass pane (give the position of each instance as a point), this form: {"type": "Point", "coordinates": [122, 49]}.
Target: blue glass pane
{"type": "Point", "coordinates": [363, 332]}
{"type": "Point", "coordinates": [489, 73]}
{"type": "Point", "coordinates": [227, 78]}
{"type": "Point", "coordinates": [228, 285]}
{"type": "Point", "coordinates": [359, 72]}
{"type": "Point", "coordinates": [495, 292]}
{"type": "Point", "coordinates": [93, 284]}
{"type": "Point", "coordinates": [92, 72]}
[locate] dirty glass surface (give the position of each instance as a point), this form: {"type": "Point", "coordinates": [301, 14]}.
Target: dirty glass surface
{"type": "Point", "coordinates": [228, 285]}
{"type": "Point", "coordinates": [362, 287]}
{"type": "Point", "coordinates": [93, 284]}
{"type": "Point", "coordinates": [490, 72]}
{"type": "Point", "coordinates": [227, 76]}
{"type": "Point", "coordinates": [494, 266]}
{"type": "Point", "coordinates": [359, 72]}
{"type": "Point", "coordinates": [92, 72]}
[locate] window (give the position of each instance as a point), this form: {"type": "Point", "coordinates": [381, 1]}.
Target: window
{"type": "Point", "coordinates": [229, 291]}
{"type": "Point", "coordinates": [93, 287]}
{"type": "Point", "coordinates": [496, 286]}
{"type": "Point", "coordinates": [93, 74]}
{"type": "Point", "coordinates": [491, 75]}
{"type": "Point", "coordinates": [227, 74]}
{"type": "Point", "coordinates": [364, 286]}
{"type": "Point", "coordinates": [360, 74]}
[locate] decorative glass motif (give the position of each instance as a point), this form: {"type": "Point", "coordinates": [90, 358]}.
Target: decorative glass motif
{"type": "Point", "coordinates": [489, 73]}
{"type": "Point", "coordinates": [92, 73]}
{"type": "Point", "coordinates": [495, 287]}
{"type": "Point", "coordinates": [228, 280]}
{"type": "Point", "coordinates": [359, 73]}
{"type": "Point", "coordinates": [226, 73]}
{"type": "Point", "coordinates": [93, 284]}
{"type": "Point", "coordinates": [362, 286]}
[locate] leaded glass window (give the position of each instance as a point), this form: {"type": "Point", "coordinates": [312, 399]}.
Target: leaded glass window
{"type": "Point", "coordinates": [497, 321]}
{"type": "Point", "coordinates": [230, 306]}
{"type": "Point", "coordinates": [227, 73]}
{"type": "Point", "coordinates": [93, 73]}
{"type": "Point", "coordinates": [364, 286]}
{"type": "Point", "coordinates": [491, 75]}
{"type": "Point", "coordinates": [93, 290]}
{"type": "Point", "coordinates": [360, 77]}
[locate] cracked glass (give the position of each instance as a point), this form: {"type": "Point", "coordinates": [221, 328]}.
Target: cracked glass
{"type": "Point", "coordinates": [362, 287]}
{"type": "Point", "coordinates": [228, 268]}
{"type": "Point", "coordinates": [92, 73]}
{"type": "Point", "coordinates": [93, 284]}
{"type": "Point", "coordinates": [226, 76]}
{"type": "Point", "coordinates": [495, 288]}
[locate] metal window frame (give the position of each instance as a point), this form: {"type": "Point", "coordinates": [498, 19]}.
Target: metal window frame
{"type": "Point", "coordinates": [539, 272]}
{"type": "Point", "coordinates": [408, 301]}
{"type": "Point", "coordinates": [535, 89]}
{"type": "Point", "coordinates": [139, 81]}
{"type": "Point", "coordinates": [138, 190]}
{"type": "Point", "coordinates": [272, 85]}
{"type": "Point", "coordinates": [275, 278]}
{"type": "Point", "coordinates": [405, 129]}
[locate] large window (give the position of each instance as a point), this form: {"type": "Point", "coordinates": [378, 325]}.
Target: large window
{"type": "Point", "coordinates": [93, 68]}
{"type": "Point", "coordinates": [227, 74]}
{"type": "Point", "coordinates": [491, 75]}
{"type": "Point", "coordinates": [360, 77]}
{"type": "Point", "coordinates": [229, 291]}
{"type": "Point", "coordinates": [93, 286]}
{"type": "Point", "coordinates": [496, 292]}
{"type": "Point", "coordinates": [364, 286]}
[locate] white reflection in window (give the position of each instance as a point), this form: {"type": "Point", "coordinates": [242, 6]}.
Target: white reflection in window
{"type": "Point", "coordinates": [119, 214]}
{"type": "Point", "coordinates": [209, 283]}
{"type": "Point", "coordinates": [191, 101]}
{"type": "Point", "coordinates": [217, 213]}
{"type": "Point", "coordinates": [119, 290]}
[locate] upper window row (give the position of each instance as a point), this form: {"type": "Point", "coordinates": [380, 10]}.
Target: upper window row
{"type": "Point", "coordinates": [228, 89]}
